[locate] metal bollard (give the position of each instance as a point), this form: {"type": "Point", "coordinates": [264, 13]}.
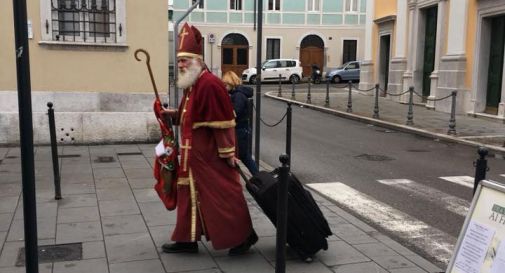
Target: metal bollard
{"type": "Point", "coordinates": [376, 106]}
{"type": "Point", "coordinates": [289, 117]}
{"type": "Point", "coordinates": [452, 121]}
{"type": "Point", "coordinates": [327, 101]}
{"type": "Point", "coordinates": [54, 152]}
{"type": "Point", "coordinates": [282, 215]}
{"type": "Point", "coordinates": [349, 98]}
{"type": "Point", "coordinates": [279, 93]}
{"type": "Point", "coordinates": [308, 93]}
{"type": "Point", "coordinates": [480, 167]}
{"type": "Point", "coordinates": [410, 114]}
{"type": "Point", "coordinates": [293, 90]}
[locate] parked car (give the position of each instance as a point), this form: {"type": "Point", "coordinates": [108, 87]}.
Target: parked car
{"type": "Point", "coordinates": [289, 69]}
{"type": "Point", "coordinates": [347, 72]}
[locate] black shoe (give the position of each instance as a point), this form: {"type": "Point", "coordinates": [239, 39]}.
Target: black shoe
{"type": "Point", "coordinates": [244, 247]}
{"type": "Point", "coordinates": [179, 247]}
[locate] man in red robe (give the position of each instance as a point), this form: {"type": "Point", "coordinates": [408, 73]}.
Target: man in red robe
{"type": "Point", "coordinates": [210, 199]}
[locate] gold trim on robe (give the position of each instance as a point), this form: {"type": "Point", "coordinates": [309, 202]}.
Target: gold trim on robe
{"type": "Point", "coordinates": [215, 124]}
{"type": "Point", "coordinates": [192, 191]}
{"type": "Point", "coordinates": [226, 150]}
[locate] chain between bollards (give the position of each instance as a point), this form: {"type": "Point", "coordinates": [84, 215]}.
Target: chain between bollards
{"type": "Point", "coordinates": [349, 98]}
{"type": "Point", "coordinates": [410, 114]}
{"type": "Point", "coordinates": [282, 214]}
{"type": "Point", "coordinates": [327, 100]}
{"type": "Point", "coordinates": [480, 167]}
{"type": "Point", "coordinates": [279, 93]}
{"type": "Point", "coordinates": [308, 92]}
{"type": "Point", "coordinates": [376, 106]}
{"type": "Point", "coordinates": [54, 152]}
{"type": "Point", "coordinates": [452, 121]}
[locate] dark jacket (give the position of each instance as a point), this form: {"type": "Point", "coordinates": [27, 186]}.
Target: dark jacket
{"type": "Point", "coordinates": [239, 97]}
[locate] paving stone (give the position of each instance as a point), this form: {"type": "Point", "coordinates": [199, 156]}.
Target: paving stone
{"type": "Point", "coordinates": [116, 193]}
{"type": "Point", "coordinates": [151, 266]}
{"type": "Point", "coordinates": [118, 207]}
{"type": "Point", "coordinates": [251, 263]}
{"type": "Point", "coordinates": [375, 250]}
{"type": "Point", "coordinates": [139, 172]}
{"type": "Point", "coordinates": [112, 183]}
{"type": "Point", "coordinates": [78, 200]}
{"type": "Point", "coordinates": [123, 224]}
{"type": "Point", "coordinates": [8, 204]}
{"type": "Point", "coordinates": [408, 270]}
{"type": "Point", "coordinates": [11, 189]}
{"type": "Point", "coordinates": [108, 173]}
{"type": "Point", "coordinates": [43, 268]}
{"type": "Point", "coordinates": [368, 267]}
{"type": "Point", "coordinates": [83, 266]}
{"type": "Point", "coordinates": [161, 234]}
{"type": "Point", "coordinates": [340, 252]}
{"type": "Point", "coordinates": [74, 215]}
{"type": "Point", "coordinates": [424, 264]}
{"type": "Point", "coordinates": [78, 232]}
{"type": "Point", "coordinates": [97, 165]}
{"type": "Point", "coordinates": [3, 235]}
{"type": "Point", "coordinates": [46, 229]}
{"type": "Point", "coordinates": [93, 250]}
{"type": "Point", "coordinates": [267, 247]}
{"type": "Point", "coordinates": [5, 221]}
{"type": "Point", "coordinates": [130, 165]}
{"type": "Point", "coordinates": [44, 210]}
{"type": "Point", "coordinates": [298, 266]}
{"type": "Point", "coordinates": [9, 253]}
{"type": "Point", "coordinates": [141, 183]}
{"type": "Point", "coordinates": [78, 188]}
{"type": "Point", "coordinates": [77, 179]}
{"type": "Point", "coordinates": [192, 262]}
{"type": "Point", "coordinates": [156, 214]}
{"type": "Point", "coordinates": [146, 195]}
{"type": "Point", "coordinates": [130, 247]}
{"type": "Point", "coordinates": [393, 262]}
{"type": "Point", "coordinates": [352, 234]}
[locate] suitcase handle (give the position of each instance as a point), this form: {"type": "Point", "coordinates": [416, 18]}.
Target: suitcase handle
{"type": "Point", "coordinates": [242, 174]}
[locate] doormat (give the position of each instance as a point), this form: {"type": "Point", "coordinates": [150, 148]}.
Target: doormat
{"type": "Point", "coordinates": [54, 253]}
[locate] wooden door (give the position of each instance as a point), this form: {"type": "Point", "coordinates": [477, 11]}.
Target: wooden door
{"type": "Point", "coordinates": [309, 56]}
{"type": "Point", "coordinates": [234, 58]}
{"type": "Point", "coordinates": [495, 72]}
{"type": "Point", "coordinates": [430, 39]}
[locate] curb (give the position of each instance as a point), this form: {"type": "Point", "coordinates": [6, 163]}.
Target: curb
{"type": "Point", "coordinates": [403, 128]}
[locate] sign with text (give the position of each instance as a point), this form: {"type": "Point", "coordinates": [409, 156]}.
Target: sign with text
{"type": "Point", "coordinates": [481, 243]}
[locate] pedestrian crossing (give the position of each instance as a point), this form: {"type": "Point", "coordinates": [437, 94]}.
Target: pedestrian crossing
{"type": "Point", "coordinates": [434, 242]}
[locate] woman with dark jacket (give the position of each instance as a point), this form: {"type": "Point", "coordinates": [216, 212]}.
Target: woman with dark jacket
{"type": "Point", "coordinates": [239, 96]}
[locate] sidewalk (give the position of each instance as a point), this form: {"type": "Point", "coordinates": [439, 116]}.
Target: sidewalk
{"type": "Point", "coordinates": [111, 211]}
{"type": "Point", "coordinates": [393, 115]}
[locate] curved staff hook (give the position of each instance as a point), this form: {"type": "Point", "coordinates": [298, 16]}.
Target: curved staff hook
{"type": "Point", "coordinates": [148, 60]}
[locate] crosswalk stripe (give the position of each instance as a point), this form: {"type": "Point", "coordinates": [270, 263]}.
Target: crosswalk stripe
{"type": "Point", "coordinates": [502, 175]}
{"type": "Point", "coordinates": [449, 202]}
{"type": "Point", "coordinates": [466, 181]}
{"type": "Point", "coordinates": [435, 242]}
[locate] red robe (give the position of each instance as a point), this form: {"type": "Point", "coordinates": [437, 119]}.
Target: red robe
{"type": "Point", "coordinates": [210, 199]}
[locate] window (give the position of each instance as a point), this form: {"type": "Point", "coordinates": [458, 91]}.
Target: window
{"type": "Point", "coordinates": [88, 21]}
{"type": "Point", "coordinates": [313, 5]}
{"type": "Point", "coordinates": [236, 4]}
{"type": "Point", "coordinates": [351, 5]}
{"type": "Point", "coordinates": [349, 50]}
{"type": "Point", "coordinates": [274, 4]}
{"type": "Point", "coordinates": [273, 48]}
{"type": "Point", "coordinates": [272, 64]}
{"type": "Point", "coordinates": [200, 6]}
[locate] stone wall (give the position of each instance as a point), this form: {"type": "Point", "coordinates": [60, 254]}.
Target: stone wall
{"type": "Point", "coordinates": [83, 118]}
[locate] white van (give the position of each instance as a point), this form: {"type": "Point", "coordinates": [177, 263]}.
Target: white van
{"type": "Point", "coordinates": [289, 69]}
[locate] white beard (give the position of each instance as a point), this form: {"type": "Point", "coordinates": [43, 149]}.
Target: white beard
{"type": "Point", "coordinates": [188, 78]}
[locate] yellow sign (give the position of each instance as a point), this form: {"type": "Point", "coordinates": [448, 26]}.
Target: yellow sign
{"type": "Point", "coordinates": [481, 243]}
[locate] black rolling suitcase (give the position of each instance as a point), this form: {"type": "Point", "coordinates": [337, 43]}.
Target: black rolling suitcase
{"type": "Point", "coordinates": [307, 229]}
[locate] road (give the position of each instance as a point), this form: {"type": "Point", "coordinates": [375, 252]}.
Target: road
{"type": "Point", "coordinates": [415, 189]}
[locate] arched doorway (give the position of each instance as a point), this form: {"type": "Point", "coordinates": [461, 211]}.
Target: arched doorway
{"type": "Point", "coordinates": [311, 52]}
{"type": "Point", "coordinates": [234, 53]}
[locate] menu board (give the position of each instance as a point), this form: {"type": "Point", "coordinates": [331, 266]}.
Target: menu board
{"type": "Point", "coordinates": [481, 243]}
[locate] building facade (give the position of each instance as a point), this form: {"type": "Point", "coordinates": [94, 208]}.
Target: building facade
{"type": "Point", "coordinates": [439, 46]}
{"type": "Point", "coordinates": [323, 32]}
{"type": "Point", "coordinates": [82, 60]}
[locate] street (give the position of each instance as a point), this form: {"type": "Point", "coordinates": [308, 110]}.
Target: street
{"type": "Point", "coordinates": [402, 177]}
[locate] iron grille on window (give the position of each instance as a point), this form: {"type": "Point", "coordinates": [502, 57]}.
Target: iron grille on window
{"type": "Point", "coordinates": [84, 21]}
